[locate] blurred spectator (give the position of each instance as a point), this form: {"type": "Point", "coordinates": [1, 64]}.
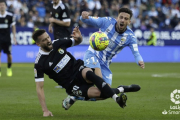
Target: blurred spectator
{"type": "Point", "coordinates": [174, 21]}
{"type": "Point", "coordinates": [157, 10]}
{"type": "Point", "coordinates": [174, 11]}
{"type": "Point", "coordinates": [83, 6]}
{"type": "Point", "coordinates": [114, 10]}
{"type": "Point", "coordinates": [165, 9]}
{"type": "Point", "coordinates": [143, 26]}
{"type": "Point", "coordinates": [136, 22]}
{"type": "Point", "coordinates": [125, 2]}
{"type": "Point", "coordinates": [104, 11]}
{"type": "Point", "coordinates": [94, 4]}
{"type": "Point", "coordinates": [30, 23]}
{"type": "Point", "coordinates": [167, 22]}
{"type": "Point", "coordinates": [152, 24]}
{"type": "Point", "coordinates": [177, 27]}
{"type": "Point", "coordinates": [24, 8]}
{"type": "Point", "coordinates": [135, 11]}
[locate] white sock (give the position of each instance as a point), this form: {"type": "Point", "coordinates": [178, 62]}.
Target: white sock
{"type": "Point", "coordinates": [114, 97]}
{"type": "Point", "coordinates": [121, 89]}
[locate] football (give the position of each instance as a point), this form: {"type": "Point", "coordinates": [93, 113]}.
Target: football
{"type": "Point", "coordinates": [99, 41]}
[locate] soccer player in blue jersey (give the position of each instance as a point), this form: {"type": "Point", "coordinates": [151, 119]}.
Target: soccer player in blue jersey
{"type": "Point", "coordinates": [120, 36]}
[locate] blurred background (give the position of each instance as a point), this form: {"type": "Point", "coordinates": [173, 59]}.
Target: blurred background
{"type": "Point", "coordinates": [162, 15]}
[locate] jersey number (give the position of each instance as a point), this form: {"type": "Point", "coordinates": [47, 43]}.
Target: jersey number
{"type": "Point", "coordinates": [92, 59]}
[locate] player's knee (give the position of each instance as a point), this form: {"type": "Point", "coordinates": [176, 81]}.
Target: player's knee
{"type": "Point", "coordinates": [94, 92]}
{"type": "Point", "coordinates": [86, 72]}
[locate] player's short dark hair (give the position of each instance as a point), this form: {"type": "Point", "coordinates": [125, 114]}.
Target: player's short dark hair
{"type": "Point", "coordinates": [3, 1]}
{"type": "Point", "coordinates": [37, 33]}
{"type": "Point", "coordinates": [126, 10]}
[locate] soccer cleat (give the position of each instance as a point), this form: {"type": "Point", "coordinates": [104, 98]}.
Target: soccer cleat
{"type": "Point", "coordinates": [130, 88]}
{"type": "Point", "coordinates": [68, 102]}
{"type": "Point", "coordinates": [9, 72]}
{"type": "Point", "coordinates": [121, 100]}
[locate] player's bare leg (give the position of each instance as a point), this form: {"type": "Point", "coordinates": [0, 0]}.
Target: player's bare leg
{"type": "Point", "coordinates": [9, 70]}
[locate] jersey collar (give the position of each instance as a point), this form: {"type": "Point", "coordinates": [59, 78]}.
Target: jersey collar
{"type": "Point", "coordinates": [55, 7]}
{"type": "Point", "coordinates": [2, 16]}
{"type": "Point", "coordinates": [44, 53]}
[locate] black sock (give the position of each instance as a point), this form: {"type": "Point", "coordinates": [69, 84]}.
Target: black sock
{"type": "Point", "coordinates": [104, 95]}
{"type": "Point", "coordinates": [115, 90]}
{"type": "Point", "coordinates": [9, 65]}
{"type": "Point", "coordinates": [100, 83]}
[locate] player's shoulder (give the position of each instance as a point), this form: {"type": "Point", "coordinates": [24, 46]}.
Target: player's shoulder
{"type": "Point", "coordinates": [62, 5]}
{"type": "Point", "coordinates": [111, 19]}
{"type": "Point", "coordinates": [130, 32]}
{"type": "Point", "coordinates": [9, 13]}
{"type": "Point", "coordinates": [41, 56]}
{"type": "Point", "coordinates": [54, 41]}
{"type": "Point", "coordinates": [38, 58]}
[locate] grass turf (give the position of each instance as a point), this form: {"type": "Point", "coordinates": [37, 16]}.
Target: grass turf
{"type": "Point", "coordinates": [18, 98]}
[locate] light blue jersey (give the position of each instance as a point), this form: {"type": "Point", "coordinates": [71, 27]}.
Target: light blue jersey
{"type": "Point", "coordinates": [117, 42]}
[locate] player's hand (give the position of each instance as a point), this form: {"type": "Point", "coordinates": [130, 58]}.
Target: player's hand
{"type": "Point", "coordinates": [15, 42]}
{"type": "Point", "coordinates": [85, 15]}
{"type": "Point", "coordinates": [51, 20]}
{"type": "Point", "coordinates": [47, 113]}
{"type": "Point", "coordinates": [141, 64]}
{"type": "Point", "coordinates": [50, 29]}
{"type": "Point", "coordinates": [76, 34]}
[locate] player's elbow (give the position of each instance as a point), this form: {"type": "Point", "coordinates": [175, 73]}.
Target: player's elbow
{"type": "Point", "coordinates": [68, 24]}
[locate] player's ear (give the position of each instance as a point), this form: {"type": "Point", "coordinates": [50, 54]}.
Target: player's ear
{"type": "Point", "coordinates": [129, 22]}
{"type": "Point", "coordinates": [37, 43]}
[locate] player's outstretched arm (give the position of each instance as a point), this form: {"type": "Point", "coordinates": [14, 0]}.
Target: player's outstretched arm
{"type": "Point", "coordinates": [76, 34]}
{"type": "Point", "coordinates": [40, 93]}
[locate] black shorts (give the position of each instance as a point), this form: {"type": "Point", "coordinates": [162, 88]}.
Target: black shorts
{"type": "Point", "coordinates": [6, 47]}
{"type": "Point", "coordinates": [79, 87]}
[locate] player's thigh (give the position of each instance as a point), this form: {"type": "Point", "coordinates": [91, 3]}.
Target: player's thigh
{"type": "Point", "coordinates": [1, 45]}
{"type": "Point", "coordinates": [90, 60]}
{"type": "Point", "coordinates": [107, 74]}
{"type": "Point", "coordinates": [98, 72]}
{"type": "Point", "coordinates": [7, 48]}
{"type": "Point", "coordinates": [93, 92]}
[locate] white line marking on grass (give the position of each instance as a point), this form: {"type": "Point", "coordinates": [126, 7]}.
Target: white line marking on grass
{"type": "Point", "coordinates": [171, 75]}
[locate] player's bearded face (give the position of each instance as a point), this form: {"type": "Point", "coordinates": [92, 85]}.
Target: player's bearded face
{"type": "Point", "coordinates": [45, 42]}
{"type": "Point", "coordinates": [122, 21]}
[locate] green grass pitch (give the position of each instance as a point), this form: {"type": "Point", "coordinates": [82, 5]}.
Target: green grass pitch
{"type": "Point", "coordinates": [18, 98]}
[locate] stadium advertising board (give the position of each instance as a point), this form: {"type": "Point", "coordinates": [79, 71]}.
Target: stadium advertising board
{"type": "Point", "coordinates": [164, 37]}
